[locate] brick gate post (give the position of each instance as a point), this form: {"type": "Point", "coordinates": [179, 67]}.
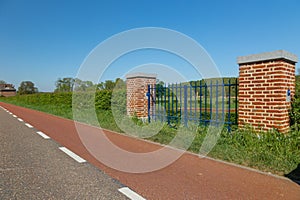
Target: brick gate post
{"type": "Point", "coordinates": [137, 88]}
{"type": "Point", "coordinates": [266, 85]}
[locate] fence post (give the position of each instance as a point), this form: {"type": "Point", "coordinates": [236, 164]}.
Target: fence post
{"type": "Point", "coordinates": [229, 106]}
{"type": "Point", "coordinates": [149, 102]}
{"type": "Point", "coordinates": [137, 88]}
{"type": "Point", "coordinates": [185, 92]}
{"type": "Point", "coordinates": [264, 80]}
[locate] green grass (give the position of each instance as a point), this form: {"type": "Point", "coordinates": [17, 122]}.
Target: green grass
{"type": "Point", "coordinates": [270, 152]}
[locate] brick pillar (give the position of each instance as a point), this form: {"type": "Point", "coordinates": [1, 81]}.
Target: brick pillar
{"type": "Point", "coordinates": [264, 80]}
{"type": "Point", "coordinates": [137, 88]}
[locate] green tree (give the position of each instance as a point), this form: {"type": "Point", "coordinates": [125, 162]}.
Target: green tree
{"type": "Point", "coordinates": [109, 85]}
{"type": "Point", "coordinates": [100, 86]}
{"type": "Point", "coordinates": [120, 84]}
{"type": "Point", "coordinates": [64, 85]}
{"type": "Point", "coordinates": [27, 87]}
{"type": "Point", "coordinates": [84, 85]}
{"type": "Point", "coordinates": [2, 82]}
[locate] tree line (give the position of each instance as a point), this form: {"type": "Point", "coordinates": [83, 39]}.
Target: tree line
{"type": "Point", "coordinates": [26, 87]}
{"type": "Point", "coordinates": [69, 84]}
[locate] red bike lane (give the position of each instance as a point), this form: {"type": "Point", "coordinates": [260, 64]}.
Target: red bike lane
{"type": "Point", "coordinates": [189, 177]}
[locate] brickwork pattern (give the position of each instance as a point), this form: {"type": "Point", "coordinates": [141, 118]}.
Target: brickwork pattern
{"type": "Point", "coordinates": [137, 101]}
{"type": "Point", "coordinates": [262, 94]}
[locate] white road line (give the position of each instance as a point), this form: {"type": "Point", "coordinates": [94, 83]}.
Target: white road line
{"type": "Point", "coordinates": [72, 155]}
{"type": "Point", "coordinates": [14, 116]}
{"type": "Point", "coordinates": [10, 113]}
{"type": "Point", "coordinates": [130, 194]}
{"type": "Point", "coordinates": [28, 125]}
{"type": "Point", "coordinates": [20, 119]}
{"type": "Point", "coordinates": [43, 135]}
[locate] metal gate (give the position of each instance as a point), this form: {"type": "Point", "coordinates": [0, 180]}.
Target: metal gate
{"type": "Point", "coordinates": [201, 102]}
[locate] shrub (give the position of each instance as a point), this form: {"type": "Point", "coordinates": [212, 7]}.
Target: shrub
{"type": "Point", "coordinates": [295, 108]}
{"type": "Point", "coordinates": [103, 99]}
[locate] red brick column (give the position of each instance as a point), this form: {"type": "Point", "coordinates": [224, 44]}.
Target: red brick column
{"type": "Point", "coordinates": [137, 88]}
{"type": "Point", "coordinates": [264, 81]}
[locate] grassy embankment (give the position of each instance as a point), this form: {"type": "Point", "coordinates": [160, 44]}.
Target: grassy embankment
{"type": "Point", "coordinates": [271, 152]}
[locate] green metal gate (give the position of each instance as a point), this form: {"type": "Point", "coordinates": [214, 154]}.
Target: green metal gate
{"type": "Point", "coordinates": [201, 102]}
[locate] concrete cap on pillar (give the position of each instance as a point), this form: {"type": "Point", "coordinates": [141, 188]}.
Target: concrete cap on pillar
{"type": "Point", "coordinates": [279, 54]}
{"type": "Point", "coordinates": [141, 75]}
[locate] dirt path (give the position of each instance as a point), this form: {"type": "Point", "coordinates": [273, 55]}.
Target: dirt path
{"type": "Point", "coordinates": [188, 178]}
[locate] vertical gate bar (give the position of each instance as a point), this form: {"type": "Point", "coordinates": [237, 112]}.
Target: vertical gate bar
{"type": "Point", "coordinates": [185, 105]}
{"type": "Point", "coordinates": [190, 108]}
{"type": "Point", "coordinates": [176, 103]}
{"type": "Point", "coordinates": [217, 102]}
{"type": "Point", "coordinates": [157, 92]}
{"type": "Point", "coordinates": [210, 100]}
{"type": "Point", "coordinates": [159, 102]}
{"type": "Point", "coordinates": [229, 101]}
{"type": "Point", "coordinates": [148, 94]}
{"type": "Point", "coordinates": [161, 111]}
{"type": "Point", "coordinates": [205, 103]}
{"type": "Point", "coordinates": [180, 90]}
{"type": "Point", "coordinates": [236, 101]}
{"type": "Point", "coordinates": [172, 101]}
{"type": "Point", "coordinates": [195, 103]}
{"type": "Point", "coordinates": [223, 93]}
{"type": "Point", "coordinates": [168, 103]}
{"type": "Point", "coordinates": [151, 100]}
{"type": "Point", "coordinates": [200, 106]}
{"type": "Point", "coordinates": [165, 96]}
{"type": "Point", "coordinates": [162, 106]}
{"type": "Point", "coordinates": [154, 113]}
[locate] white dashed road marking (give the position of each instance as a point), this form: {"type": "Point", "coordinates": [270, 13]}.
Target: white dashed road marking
{"type": "Point", "coordinates": [72, 155]}
{"type": "Point", "coordinates": [43, 135]}
{"type": "Point", "coordinates": [125, 190]}
{"type": "Point", "coordinates": [28, 125]}
{"type": "Point", "coordinates": [130, 194]}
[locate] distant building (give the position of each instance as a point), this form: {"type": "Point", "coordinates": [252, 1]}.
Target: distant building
{"type": "Point", "coordinates": [7, 90]}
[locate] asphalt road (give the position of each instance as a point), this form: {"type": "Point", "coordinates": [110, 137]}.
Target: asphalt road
{"type": "Point", "coordinates": [32, 167]}
{"type": "Point", "coordinates": [190, 177]}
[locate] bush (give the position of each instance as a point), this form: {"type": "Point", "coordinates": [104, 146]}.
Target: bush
{"type": "Point", "coordinates": [295, 108]}
{"type": "Point", "coordinates": [118, 101]}
{"type": "Point", "coordinates": [103, 99]}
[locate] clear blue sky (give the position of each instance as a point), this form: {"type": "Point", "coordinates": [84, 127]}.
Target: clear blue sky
{"type": "Point", "coordinates": [43, 40]}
